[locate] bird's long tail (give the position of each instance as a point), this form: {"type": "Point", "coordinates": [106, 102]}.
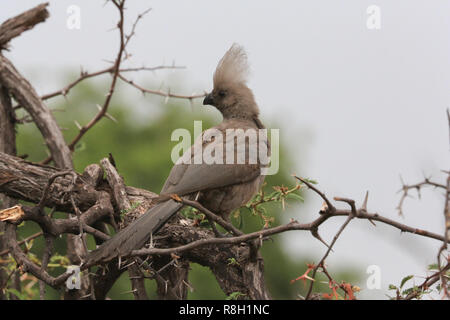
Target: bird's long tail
{"type": "Point", "coordinates": [135, 235]}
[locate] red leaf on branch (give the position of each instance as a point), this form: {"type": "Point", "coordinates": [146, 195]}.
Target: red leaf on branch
{"type": "Point", "coordinates": [305, 276]}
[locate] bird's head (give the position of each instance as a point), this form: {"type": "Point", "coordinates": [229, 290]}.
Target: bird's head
{"type": "Point", "coordinates": [230, 95]}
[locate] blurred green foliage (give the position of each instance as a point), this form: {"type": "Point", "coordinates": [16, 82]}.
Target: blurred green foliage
{"type": "Point", "coordinates": [141, 145]}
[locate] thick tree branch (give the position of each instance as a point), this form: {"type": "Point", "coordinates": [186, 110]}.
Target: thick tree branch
{"type": "Point", "coordinates": [15, 26]}
{"type": "Point", "coordinates": [27, 181]}
{"type": "Point", "coordinates": [25, 94]}
{"type": "Point", "coordinates": [7, 145]}
{"type": "Point", "coordinates": [26, 264]}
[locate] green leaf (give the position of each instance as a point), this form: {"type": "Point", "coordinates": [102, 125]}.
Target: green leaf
{"type": "Point", "coordinates": [296, 197]}
{"type": "Point", "coordinates": [312, 181]}
{"type": "Point", "coordinates": [392, 287]}
{"type": "Point", "coordinates": [59, 261]}
{"type": "Point", "coordinates": [405, 279]}
{"type": "Point", "coordinates": [273, 194]}
{"type": "Point", "coordinates": [433, 266]}
{"type": "Point", "coordinates": [411, 290]}
{"type": "Point", "coordinates": [235, 295]}
{"type": "Point", "coordinates": [80, 147]}
{"type": "Point", "coordinates": [232, 261]}
{"type": "Point", "coordinates": [205, 222]}
{"type": "Point", "coordinates": [19, 295]}
{"type": "Point", "coordinates": [29, 244]}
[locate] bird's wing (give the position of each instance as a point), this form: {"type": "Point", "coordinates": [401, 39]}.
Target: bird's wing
{"type": "Point", "coordinates": [185, 178]}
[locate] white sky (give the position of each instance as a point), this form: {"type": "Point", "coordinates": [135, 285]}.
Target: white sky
{"type": "Point", "coordinates": [358, 107]}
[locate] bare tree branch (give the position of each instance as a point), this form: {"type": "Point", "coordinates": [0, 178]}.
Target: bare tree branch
{"type": "Point", "coordinates": [25, 94]}
{"type": "Point", "coordinates": [15, 26]}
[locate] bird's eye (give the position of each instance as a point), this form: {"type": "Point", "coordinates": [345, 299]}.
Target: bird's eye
{"type": "Point", "coordinates": [222, 93]}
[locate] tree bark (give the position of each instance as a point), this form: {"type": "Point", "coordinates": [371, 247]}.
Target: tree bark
{"type": "Point", "coordinates": [13, 27]}
{"type": "Point", "coordinates": [7, 145]}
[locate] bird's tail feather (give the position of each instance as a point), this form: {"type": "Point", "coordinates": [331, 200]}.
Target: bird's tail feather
{"type": "Point", "coordinates": [135, 235]}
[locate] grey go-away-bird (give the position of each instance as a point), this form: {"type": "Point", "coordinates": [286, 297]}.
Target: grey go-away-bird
{"type": "Point", "coordinates": [219, 187]}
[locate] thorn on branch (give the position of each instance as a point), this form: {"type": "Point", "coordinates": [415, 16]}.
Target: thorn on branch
{"type": "Point", "coordinates": [329, 205]}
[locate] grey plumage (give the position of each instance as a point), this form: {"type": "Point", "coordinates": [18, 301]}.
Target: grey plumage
{"type": "Point", "coordinates": [135, 235]}
{"type": "Point", "coordinates": [221, 188]}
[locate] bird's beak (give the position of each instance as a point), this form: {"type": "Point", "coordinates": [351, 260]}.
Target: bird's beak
{"type": "Point", "coordinates": [208, 100]}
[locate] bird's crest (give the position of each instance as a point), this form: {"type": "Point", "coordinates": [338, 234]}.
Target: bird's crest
{"type": "Point", "coordinates": [233, 67]}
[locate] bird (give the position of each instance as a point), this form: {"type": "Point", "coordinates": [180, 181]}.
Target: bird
{"type": "Point", "coordinates": [222, 186]}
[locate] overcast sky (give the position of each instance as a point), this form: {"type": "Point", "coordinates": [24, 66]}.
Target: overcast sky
{"type": "Point", "coordinates": [358, 106]}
